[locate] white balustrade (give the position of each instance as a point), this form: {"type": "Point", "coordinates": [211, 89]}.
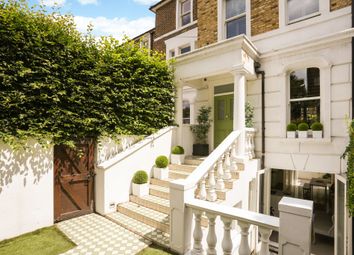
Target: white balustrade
{"type": "Point", "coordinates": [198, 233]}
{"type": "Point", "coordinates": [266, 224]}
{"type": "Point", "coordinates": [211, 193]}
{"type": "Point", "coordinates": [202, 189]}
{"type": "Point", "coordinates": [233, 167]}
{"type": "Point", "coordinates": [211, 237]}
{"type": "Point", "coordinates": [227, 165]}
{"type": "Point", "coordinates": [220, 185]}
{"type": "Point", "coordinates": [249, 143]}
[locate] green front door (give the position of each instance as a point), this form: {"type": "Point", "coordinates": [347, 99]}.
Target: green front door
{"type": "Point", "coordinates": [223, 117]}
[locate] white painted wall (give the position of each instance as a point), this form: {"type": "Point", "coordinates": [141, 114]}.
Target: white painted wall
{"type": "Point", "coordinates": [188, 38]}
{"type": "Point", "coordinates": [26, 189]}
{"type": "Point", "coordinates": [113, 179]}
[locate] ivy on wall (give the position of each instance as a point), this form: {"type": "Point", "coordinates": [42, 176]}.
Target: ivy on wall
{"type": "Point", "coordinates": [349, 155]}
{"type": "Point", "coordinates": [58, 84]}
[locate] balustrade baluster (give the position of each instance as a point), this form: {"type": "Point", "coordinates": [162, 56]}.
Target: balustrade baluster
{"type": "Point", "coordinates": [247, 145]}
{"type": "Point", "coordinates": [211, 194]}
{"type": "Point", "coordinates": [233, 167]}
{"type": "Point", "coordinates": [202, 189]}
{"type": "Point", "coordinates": [252, 145]}
{"type": "Point", "coordinates": [211, 237]}
{"type": "Point", "coordinates": [244, 248]}
{"type": "Point", "coordinates": [197, 233]}
{"type": "Point", "coordinates": [227, 164]}
{"type": "Point", "coordinates": [220, 185]}
{"type": "Point", "coordinates": [265, 235]}
{"type": "Point", "coordinates": [227, 241]}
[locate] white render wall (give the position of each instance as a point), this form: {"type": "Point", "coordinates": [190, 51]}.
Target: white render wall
{"type": "Point", "coordinates": [26, 189]}
{"type": "Point", "coordinates": [334, 61]}
{"type": "Point", "coordinates": [113, 179]}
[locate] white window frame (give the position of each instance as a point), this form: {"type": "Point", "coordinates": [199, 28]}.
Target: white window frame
{"type": "Point", "coordinates": [302, 99]}
{"type": "Point", "coordinates": [182, 47]}
{"type": "Point", "coordinates": [179, 14]}
{"type": "Point", "coordinates": [324, 8]}
{"type": "Point", "coordinates": [325, 93]}
{"type": "Point", "coordinates": [222, 21]}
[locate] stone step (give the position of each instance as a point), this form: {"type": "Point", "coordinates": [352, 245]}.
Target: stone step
{"type": "Point", "coordinates": [192, 160]}
{"type": "Point", "coordinates": [145, 215]}
{"type": "Point", "coordinates": [162, 183]}
{"type": "Point", "coordinates": [182, 168]}
{"type": "Point", "coordinates": [152, 202]}
{"type": "Point", "coordinates": [146, 231]}
{"type": "Point", "coordinates": [158, 191]}
{"type": "Point", "coordinates": [174, 174]}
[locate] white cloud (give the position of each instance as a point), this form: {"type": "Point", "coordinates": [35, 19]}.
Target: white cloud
{"type": "Point", "coordinates": [116, 27]}
{"type": "Point", "coordinates": [51, 3]}
{"type": "Point", "coordinates": [84, 2]}
{"type": "Point", "coordinates": [146, 2]}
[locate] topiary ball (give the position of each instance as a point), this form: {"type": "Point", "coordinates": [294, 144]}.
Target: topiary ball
{"type": "Point", "coordinates": [177, 150]}
{"type": "Point", "coordinates": [161, 161]}
{"type": "Point", "coordinates": [291, 127]}
{"type": "Point", "coordinates": [303, 126]}
{"type": "Point", "coordinates": [317, 126]}
{"type": "Point", "coordinates": [140, 177]}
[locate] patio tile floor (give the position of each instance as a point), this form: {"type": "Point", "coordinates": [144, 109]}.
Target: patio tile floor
{"type": "Point", "coordinates": [96, 235]}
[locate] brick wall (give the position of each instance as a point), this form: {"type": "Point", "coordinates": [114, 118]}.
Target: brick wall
{"type": "Point", "coordinates": [207, 22]}
{"type": "Point", "coordinates": [166, 18]}
{"type": "Point", "coordinates": [338, 4]}
{"type": "Point", "coordinates": [264, 16]}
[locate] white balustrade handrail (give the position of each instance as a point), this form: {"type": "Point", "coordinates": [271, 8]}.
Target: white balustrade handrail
{"type": "Point", "coordinates": [211, 160]}
{"type": "Point", "coordinates": [258, 219]}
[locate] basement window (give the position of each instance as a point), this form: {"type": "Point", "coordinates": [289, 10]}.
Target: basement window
{"type": "Point", "coordinates": [302, 9]}
{"type": "Point", "coordinates": [184, 49]}
{"type": "Point", "coordinates": [235, 17]}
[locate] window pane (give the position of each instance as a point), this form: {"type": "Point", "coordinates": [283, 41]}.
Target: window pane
{"type": "Point", "coordinates": [301, 8]}
{"type": "Point", "coordinates": [186, 6]}
{"type": "Point", "coordinates": [186, 112]}
{"type": "Point", "coordinates": [305, 83]}
{"type": "Point", "coordinates": [185, 49]}
{"type": "Point", "coordinates": [305, 111]}
{"type": "Point", "coordinates": [236, 27]}
{"type": "Point", "coordinates": [186, 19]}
{"type": "Point", "coordinates": [234, 8]}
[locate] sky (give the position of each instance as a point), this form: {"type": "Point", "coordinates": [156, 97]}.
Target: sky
{"type": "Point", "coordinates": [109, 17]}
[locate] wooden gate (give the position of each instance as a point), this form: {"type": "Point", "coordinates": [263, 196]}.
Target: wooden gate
{"type": "Point", "coordinates": [73, 180]}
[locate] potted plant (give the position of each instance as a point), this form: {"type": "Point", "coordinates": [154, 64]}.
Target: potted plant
{"type": "Point", "coordinates": [200, 130]}
{"type": "Point", "coordinates": [303, 128]}
{"type": "Point", "coordinates": [291, 130]}
{"type": "Point", "coordinates": [160, 168]}
{"type": "Point", "coordinates": [177, 155]}
{"type": "Point", "coordinates": [140, 184]}
{"type": "Point", "coordinates": [317, 129]}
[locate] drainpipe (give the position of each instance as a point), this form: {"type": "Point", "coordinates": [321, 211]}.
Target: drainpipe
{"type": "Point", "coordinates": [257, 66]}
{"type": "Point", "coordinates": [352, 107]}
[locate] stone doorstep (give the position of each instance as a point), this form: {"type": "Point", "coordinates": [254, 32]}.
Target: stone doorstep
{"type": "Point", "coordinates": [159, 191]}
{"type": "Point", "coordinates": [145, 215]}
{"type": "Point", "coordinates": [152, 202]}
{"type": "Point", "coordinates": [182, 168]}
{"type": "Point", "coordinates": [148, 232]}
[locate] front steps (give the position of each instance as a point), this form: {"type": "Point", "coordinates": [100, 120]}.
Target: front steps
{"type": "Point", "coordinates": [148, 216]}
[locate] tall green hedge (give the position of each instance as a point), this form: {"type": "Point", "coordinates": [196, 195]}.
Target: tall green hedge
{"type": "Point", "coordinates": [58, 84]}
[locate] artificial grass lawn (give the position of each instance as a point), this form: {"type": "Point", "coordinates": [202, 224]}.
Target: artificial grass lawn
{"type": "Point", "coordinates": [45, 241]}
{"type": "Point", "coordinates": [154, 250]}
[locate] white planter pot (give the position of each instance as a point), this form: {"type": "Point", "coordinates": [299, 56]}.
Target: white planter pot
{"type": "Point", "coordinates": [177, 159]}
{"type": "Point", "coordinates": [302, 134]}
{"type": "Point", "coordinates": [317, 134]}
{"type": "Point", "coordinates": [140, 190]}
{"type": "Point", "coordinates": [161, 173]}
{"type": "Point", "coordinates": [291, 134]}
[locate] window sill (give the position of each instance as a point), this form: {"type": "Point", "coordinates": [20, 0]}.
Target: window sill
{"type": "Point", "coordinates": [306, 140]}
{"type": "Point", "coordinates": [310, 16]}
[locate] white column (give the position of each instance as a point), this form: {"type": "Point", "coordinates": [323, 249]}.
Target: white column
{"type": "Point", "coordinates": [239, 110]}
{"type": "Point", "coordinates": [179, 111]}
{"type": "Point", "coordinates": [295, 226]}
{"type": "Point", "coordinates": [180, 216]}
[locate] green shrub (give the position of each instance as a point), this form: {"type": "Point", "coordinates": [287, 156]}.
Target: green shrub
{"type": "Point", "coordinates": [291, 127]}
{"type": "Point", "coordinates": [317, 126]}
{"type": "Point", "coordinates": [140, 177]}
{"type": "Point", "coordinates": [177, 150]}
{"type": "Point", "coordinates": [161, 161]}
{"type": "Point", "coordinates": [202, 128]}
{"type": "Point", "coordinates": [303, 126]}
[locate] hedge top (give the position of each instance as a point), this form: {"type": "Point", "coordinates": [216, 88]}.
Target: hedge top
{"type": "Point", "coordinates": [177, 150]}
{"type": "Point", "coordinates": [291, 127]}
{"type": "Point", "coordinates": [303, 126]}
{"type": "Point", "coordinates": [140, 177]}
{"type": "Point", "coordinates": [161, 161]}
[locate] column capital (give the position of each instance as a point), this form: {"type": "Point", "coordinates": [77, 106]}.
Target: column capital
{"type": "Point", "coordinates": [240, 70]}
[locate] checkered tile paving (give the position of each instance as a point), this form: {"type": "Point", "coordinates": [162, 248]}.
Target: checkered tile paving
{"type": "Point", "coordinates": [96, 235]}
{"type": "Point", "coordinates": [151, 233]}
